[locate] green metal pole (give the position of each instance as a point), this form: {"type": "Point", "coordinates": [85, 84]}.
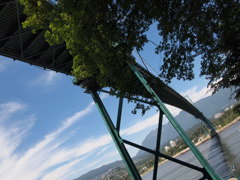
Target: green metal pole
{"type": "Point", "coordinates": [155, 170]}
{"type": "Point", "coordinates": [116, 138]}
{"type": "Point", "coordinates": [119, 115]}
{"type": "Point", "coordinates": [177, 126]}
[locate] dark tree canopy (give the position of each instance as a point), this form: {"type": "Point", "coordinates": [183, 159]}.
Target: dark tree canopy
{"type": "Point", "coordinates": [101, 35]}
{"type": "Point", "coordinates": [210, 29]}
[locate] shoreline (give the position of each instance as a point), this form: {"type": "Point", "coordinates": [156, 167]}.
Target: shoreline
{"type": "Point", "coordinates": [196, 144]}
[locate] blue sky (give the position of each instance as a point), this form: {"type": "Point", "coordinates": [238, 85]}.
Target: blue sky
{"type": "Point", "coordinates": [50, 129]}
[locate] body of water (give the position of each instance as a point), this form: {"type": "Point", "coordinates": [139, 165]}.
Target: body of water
{"type": "Point", "coordinates": [222, 152]}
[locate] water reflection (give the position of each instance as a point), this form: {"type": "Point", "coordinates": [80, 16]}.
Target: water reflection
{"type": "Point", "coordinates": [230, 144]}
{"type": "Point", "coordinates": [219, 156]}
{"type": "Point", "coordinates": [222, 152]}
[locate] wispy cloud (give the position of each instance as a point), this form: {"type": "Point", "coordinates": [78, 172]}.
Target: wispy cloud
{"type": "Point", "coordinates": [108, 157]}
{"type": "Point", "coordinates": [50, 158]}
{"type": "Point", "coordinates": [12, 136]}
{"type": "Point", "coordinates": [103, 150]}
{"type": "Point", "coordinates": [61, 171]}
{"type": "Point", "coordinates": [47, 157]}
{"type": "Point", "coordinates": [47, 78]}
{"type": "Point", "coordinates": [195, 93]}
{"type": "Point", "coordinates": [174, 110]}
{"type": "Point", "coordinates": [9, 108]}
{"type": "Point", "coordinates": [141, 125]}
{"type": "Point", "coordinates": [50, 76]}
{"type": "Point", "coordinates": [35, 165]}
{"type": "Point", "coordinates": [71, 120]}
{"type": "Point", "coordinates": [82, 150]}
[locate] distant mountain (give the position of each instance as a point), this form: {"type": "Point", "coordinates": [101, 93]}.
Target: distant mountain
{"type": "Point", "coordinates": [209, 106]}
{"type": "Point", "coordinates": [98, 174]}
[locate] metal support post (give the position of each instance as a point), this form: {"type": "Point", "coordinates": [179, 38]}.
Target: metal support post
{"type": "Point", "coordinates": [119, 116]}
{"type": "Point", "coordinates": [116, 138]}
{"type": "Point", "coordinates": [177, 126]}
{"type": "Point", "coordinates": [159, 132]}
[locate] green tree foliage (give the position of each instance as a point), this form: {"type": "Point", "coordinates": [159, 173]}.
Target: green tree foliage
{"type": "Point", "coordinates": [101, 35]}
{"type": "Point", "coordinates": [228, 116]}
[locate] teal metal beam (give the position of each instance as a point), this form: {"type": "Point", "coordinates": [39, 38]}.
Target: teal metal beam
{"type": "Point", "coordinates": [159, 132]}
{"type": "Point", "coordinates": [116, 138]}
{"type": "Point", "coordinates": [164, 156]}
{"type": "Point", "coordinates": [119, 115]}
{"type": "Point", "coordinates": [176, 125]}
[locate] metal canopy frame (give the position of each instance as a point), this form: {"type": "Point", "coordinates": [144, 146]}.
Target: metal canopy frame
{"type": "Point", "coordinates": [207, 171]}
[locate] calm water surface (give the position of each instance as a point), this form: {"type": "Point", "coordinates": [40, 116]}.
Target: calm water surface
{"type": "Point", "coordinates": [222, 152]}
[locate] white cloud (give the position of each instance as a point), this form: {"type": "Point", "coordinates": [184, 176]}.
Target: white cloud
{"type": "Point", "coordinates": [139, 126]}
{"type": "Point", "coordinates": [105, 140]}
{"type": "Point", "coordinates": [103, 150]}
{"type": "Point", "coordinates": [49, 158]}
{"type": "Point", "coordinates": [60, 172]}
{"type": "Point", "coordinates": [51, 76]}
{"type": "Point", "coordinates": [98, 162]}
{"type": "Point", "coordinates": [12, 136]}
{"type": "Point", "coordinates": [174, 110]}
{"type": "Point", "coordinates": [46, 154]}
{"type": "Point", "coordinates": [149, 122]}
{"type": "Point", "coordinates": [195, 94]}
{"type": "Point", "coordinates": [47, 78]}
{"type": "Point", "coordinates": [104, 96]}
{"type": "Point", "coordinates": [35, 165]}
{"type": "Point", "coordinates": [50, 155]}
{"type": "Point", "coordinates": [9, 108]}
{"type": "Point", "coordinates": [72, 119]}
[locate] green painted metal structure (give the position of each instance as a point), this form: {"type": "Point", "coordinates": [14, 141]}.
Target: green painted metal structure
{"type": "Point", "coordinates": [207, 171]}
{"type": "Point", "coordinates": [20, 44]}
{"type": "Point", "coordinates": [116, 137]}
{"type": "Point", "coordinates": [177, 126]}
